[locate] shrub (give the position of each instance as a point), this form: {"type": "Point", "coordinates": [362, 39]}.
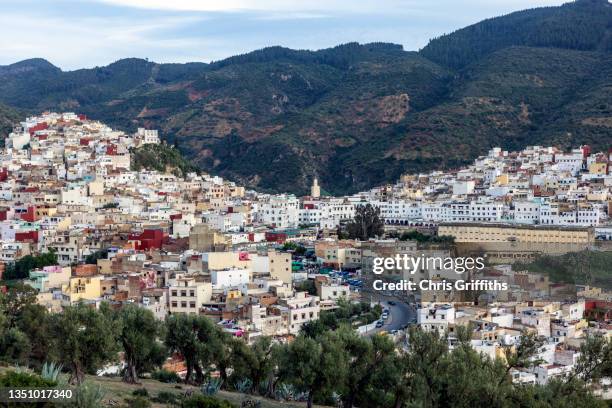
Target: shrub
{"type": "Point", "coordinates": [166, 376]}
{"type": "Point", "coordinates": [88, 395]}
{"type": "Point", "coordinates": [140, 392]}
{"type": "Point", "coordinates": [205, 401]}
{"type": "Point", "coordinates": [138, 402]}
{"type": "Point", "coordinates": [166, 397]}
{"type": "Point", "coordinates": [23, 379]}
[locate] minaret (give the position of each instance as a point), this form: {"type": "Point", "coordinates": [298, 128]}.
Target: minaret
{"type": "Point", "coordinates": [315, 190]}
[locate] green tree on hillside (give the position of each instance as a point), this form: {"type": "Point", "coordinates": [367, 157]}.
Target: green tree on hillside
{"type": "Point", "coordinates": [366, 224]}
{"type": "Point", "coordinates": [138, 337]}
{"type": "Point", "coordinates": [85, 340]}
{"type": "Point", "coordinates": [22, 267]}
{"type": "Point", "coordinates": [317, 367]}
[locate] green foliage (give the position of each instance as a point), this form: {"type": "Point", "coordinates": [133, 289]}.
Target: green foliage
{"type": "Point", "coordinates": [201, 343]}
{"type": "Point", "coordinates": [8, 117]}
{"type": "Point", "coordinates": [35, 322]}
{"type": "Point", "coordinates": [24, 327]}
{"type": "Point", "coordinates": [138, 337]}
{"type": "Point", "coordinates": [15, 301]}
{"type": "Point", "coordinates": [166, 376]}
{"type": "Point", "coordinates": [12, 379]}
{"type": "Point", "coordinates": [92, 259]}
{"type": "Point", "coordinates": [346, 314]}
{"type": "Point", "coordinates": [22, 267]}
{"type": "Point", "coordinates": [140, 392]}
{"type": "Point", "coordinates": [316, 367]}
{"type": "Point", "coordinates": [138, 402]}
{"type": "Point", "coordinates": [307, 285]}
{"type": "Point", "coordinates": [421, 238]}
{"type": "Point", "coordinates": [166, 397]}
{"type": "Point", "coordinates": [586, 267]}
{"type": "Point", "coordinates": [296, 248]}
{"type": "Point", "coordinates": [160, 157]}
{"type": "Point", "coordinates": [366, 224]}
{"type": "Point", "coordinates": [15, 346]}
{"type": "Point", "coordinates": [87, 395]}
{"type": "Point", "coordinates": [110, 205]}
{"type": "Point", "coordinates": [205, 401]}
{"type": "Point", "coordinates": [595, 361]}
{"type": "Point", "coordinates": [581, 25]}
{"type": "Point", "coordinates": [51, 371]}
{"type": "Point", "coordinates": [85, 340]}
{"type": "Point", "coordinates": [212, 386]}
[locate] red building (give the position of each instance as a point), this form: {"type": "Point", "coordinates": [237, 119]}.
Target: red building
{"type": "Point", "coordinates": [29, 215]}
{"type": "Point", "coordinates": [599, 310]}
{"type": "Point", "coordinates": [37, 127]}
{"type": "Point", "coordinates": [111, 150]}
{"type": "Point", "coordinates": [278, 237]}
{"type": "Point", "coordinates": [29, 236]}
{"type": "Point", "coordinates": [148, 239]}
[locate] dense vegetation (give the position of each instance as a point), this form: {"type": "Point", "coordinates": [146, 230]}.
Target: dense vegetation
{"type": "Point", "coordinates": [329, 365]}
{"type": "Point", "coordinates": [357, 115]}
{"type": "Point", "coordinates": [424, 240]}
{"type": "Point", "coordinates": [586, 267]}
{"type": "Point", "coordinates": [160, 157]}
{"type": "Point", "coordinates": [572, 26]}
{"type": "Point", "coordinates": [8, 118]}
{"type": "Point", "coordinates": [367, 223]}
{"type": "Point", "coordinates": [347, 314]}
{"type": "Point", "coordinates": [23, 266]}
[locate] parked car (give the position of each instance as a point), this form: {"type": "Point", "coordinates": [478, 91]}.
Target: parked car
{"type": "Point", "coordinates": [380, 323]}
{"type": "Point", "coordinates": [392, 303]}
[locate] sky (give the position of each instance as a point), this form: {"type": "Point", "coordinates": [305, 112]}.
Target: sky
{"type": "Point", "coordinates": [74, 34]}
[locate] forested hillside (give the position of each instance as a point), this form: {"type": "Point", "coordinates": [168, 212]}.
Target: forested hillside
{"type": "Point", "coordinates": [357, 115]}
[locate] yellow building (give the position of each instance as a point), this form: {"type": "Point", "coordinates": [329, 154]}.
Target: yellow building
{"type": "Point", "coordinates": [204, 239]}
{"type": "Point", "coordinates": [479, 233]}
{"type": "Point", "coordinates": [502, 179]}
{"type": "Point", "coordinates": [215, 261]}
{"type": "Point", "coordinates": [82, 288]}
{"type": "Point", "coordinates": [598, 168]}
{"type": "Point", "coordinates": [280, 266]}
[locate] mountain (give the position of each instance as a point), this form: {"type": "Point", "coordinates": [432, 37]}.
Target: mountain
{"type": "Point", "coordinates": [8, 118]}
{"type": "Point", "coordinates": [357, 115]}
{"type": "Point", "coordinates": [580, 25]}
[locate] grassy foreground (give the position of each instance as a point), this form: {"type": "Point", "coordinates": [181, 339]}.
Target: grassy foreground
{"type": "Point", "coordinates": [117, 392]}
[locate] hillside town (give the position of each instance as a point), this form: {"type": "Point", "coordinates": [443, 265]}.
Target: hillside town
{"type": "Point", "coordinates": [270, 264]}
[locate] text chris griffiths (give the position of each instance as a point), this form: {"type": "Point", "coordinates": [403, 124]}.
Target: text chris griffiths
{"type": "Point", "coordinates": [425, 285]}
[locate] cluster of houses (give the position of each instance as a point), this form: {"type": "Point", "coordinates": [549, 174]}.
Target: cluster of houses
{"type": "Point", "coordinates": [563, 327]}
{"type": "Point", "coordinates": [199, 244]}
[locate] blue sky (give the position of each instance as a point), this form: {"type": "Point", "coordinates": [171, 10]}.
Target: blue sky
{"type": "Point", "coordinates": [85, 33]}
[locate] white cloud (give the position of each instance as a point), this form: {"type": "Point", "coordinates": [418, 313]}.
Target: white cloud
{"type": "Point", "coordinates": [347, 6]}
{"type": "Point", "coordinates": [86, 33]}
{"type": "Point", "coordinates": [253, 5]}
{"type": "Point", "coordinates": [91, 41]}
